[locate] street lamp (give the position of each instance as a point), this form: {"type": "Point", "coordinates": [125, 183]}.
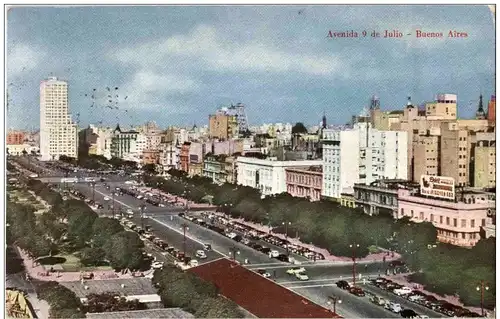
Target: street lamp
{"type": "Point", "coordinates": [482, 287]}
{"type": "Point", "coordinates": [184, 228]}
{"type": "Point", "coordinates": [354, 246]}
{"type": "Point", "coordinates": [93, 191]}
{"type": "Point", "coordinates": [233, 251]}
{"type": "Point", "coordinates": [286, 236]}
{"type": "Point", "coordinates": [142, 208]}
{"type": "Point", "coordinates": [332, 300]}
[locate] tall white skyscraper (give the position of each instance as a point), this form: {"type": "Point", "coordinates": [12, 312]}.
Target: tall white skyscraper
{"type": "Point", "coordinates": [361, 154]}
{"type": "Point", "coordinates": [58, 133]}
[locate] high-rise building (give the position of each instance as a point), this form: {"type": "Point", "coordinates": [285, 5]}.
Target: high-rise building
{"type": "Point", "coordinates": [223, 126]}
{"type": "Point", "coordinates": [455, 153]}
{"type": "Point", "coordinates": [444, 107]}
{"type": "Point", "coordinates": [15, 138]}
{"type": "Point", "coordinates": [361, 154]}
{"type": "Point", "coordinates": [58, 133]}
{"type": "Point", "coordinates": [484, 160]}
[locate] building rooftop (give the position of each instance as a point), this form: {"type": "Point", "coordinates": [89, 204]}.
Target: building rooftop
{"type": "Point", "coordinates": [133, 286]}
{"type": "Point", "coordinates": [258, 295]}
{"type": "Point", "coordinates": [148, 313]}
{"type": "Point", "coordinates": [314, 168]}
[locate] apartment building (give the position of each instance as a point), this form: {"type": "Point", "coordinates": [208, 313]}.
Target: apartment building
{"type": "Point", "coordinates": [223, 126]}
{"type": "Point", "coordinates": [127, 145]}
{"type": "Point", "coordinates": [58, 133]}
{"type": "Point", "coordinates": [485, 160]}
{"type": "Point", "coordinates": [361, 154]}
{"type": "Point", "coordinates": [267, 175]}
{"type": "Point", "coordinates": [455, 153]}
{"type": "Point", "coordinates": [15, 138]}
{"type": "Point", "coordinates": [304, 182]}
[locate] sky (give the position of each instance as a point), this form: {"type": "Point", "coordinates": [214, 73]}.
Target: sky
{"type": "Point", "coordinates": [178, 64]}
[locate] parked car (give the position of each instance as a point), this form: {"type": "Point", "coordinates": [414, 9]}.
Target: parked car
{"type": "Point", "coordinates": [207, 247]}
{"type": "Point", "coordinates": [403, 291]}
{"type": "Point", "coordinates": [283, 257]}
{"type": "Point", "coordinates": [157, 265]}
{"type": "Point", "coordinates": [357, 291]}
{"type": "Point", "coordinates": [342, 284]}
{"type": "Point", "coordinates": [394, 307]}
{"type": "Point", "coordinates": [378, 300]}
{"type": "Point", "coordinates": [408, 313]}
{"type": "Point", "coordinates": [274, 253]}
{"type": "Point", "coordinates": [201, 254]}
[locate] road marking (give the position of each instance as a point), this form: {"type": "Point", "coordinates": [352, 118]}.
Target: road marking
{"type": "Point", "coordinates": [314, 280]}
{"type": "Point", "coordinates": [313, 286]}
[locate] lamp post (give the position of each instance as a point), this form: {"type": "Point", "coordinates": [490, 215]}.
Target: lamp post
{"type": "Point", "coordinates": [184, 228]}
{"type": "Point", "coordinates": [332, 300]}
{"type": "Point", "coordinates": [142, 208]}
{"type": "Point", "coordinates": [233, 251]}
{"type": "Point", "coordinates": [286, 236]}
{"type": "Point", "coordinates": [482, 287]}
{"type": "Point", "coordinates": [354, 246]}
{"type": "Point", "coordinates": [93, 191]}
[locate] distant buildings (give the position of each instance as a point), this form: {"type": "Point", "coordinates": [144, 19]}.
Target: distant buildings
{"type": "Point", "coordinates": [361, 154]}
{"type": "Point", "coordinates": [127, 145]}
{"type": "Point", "coordinates": [491, 111]}
{"type": "Point", "coordinates": [485, 160]}
{"type": "Point", "coordinates": [58, 133]}
{"type": "Point", "coordinates": [97, 139]}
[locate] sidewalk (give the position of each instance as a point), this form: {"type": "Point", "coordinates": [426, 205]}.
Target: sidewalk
{"type": "Point", "coordinates": [403, 280]}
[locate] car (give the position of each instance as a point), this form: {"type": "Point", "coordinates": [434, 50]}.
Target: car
{"type": "Point", "coordinates": [378, 300]}
{"type": "Point", "coordinates": [403, 291]}
{"type": "Point", "coordinates": [295, 270]}
{"type": "Point", "coordinates": [357, 291]}
{"type": "Point", "coordinates": [264, 273]}
{"type": "Point", "coordinates": [408, 313]}
{"type": "Point", "coordinates": [394, 307]}
{"type": "Point", "coordinates": [274, 253]}
{"type": "Point", "coordinates": [207, 247]}
{"type": "Point", "coordinates": [193, 263]}
{"type": "Point", "coordinates": [283, 258]}
{"type": "Point", "coordinates": [266, 250]}
{"type": "Point", "coordinates": [301, 276]}
{"type": "Point", "coordinates": [157, 265]}
{"type": "Point", "coordinates": [106, 198]}
{"type": "Point", "coordinates": [342, 284]}
{"type": "Point", "coordinates": [130, 212]}
{"type": "Point", "coordinates": [201, 254]}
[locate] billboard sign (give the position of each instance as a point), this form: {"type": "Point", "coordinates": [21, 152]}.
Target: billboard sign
{"type": "Point", "coordinates": [437, 186]}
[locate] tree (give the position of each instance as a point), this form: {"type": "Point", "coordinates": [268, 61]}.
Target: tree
{"type": "Point", "coordinates": [149, 169]}
{"type": "Point", "coordinates": [299, 128]}
{"type": "Point", "coordinates": [92, 256]}
{"type": "Point", "coordinates": [124, 250]}
{"type": "Point", "coordinates": [103, 229]}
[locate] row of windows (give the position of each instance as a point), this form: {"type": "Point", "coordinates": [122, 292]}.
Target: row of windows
{"type": "Point", "coordinates": [456, 235]}
{"type": "Point", "coordinates": [463, 223]}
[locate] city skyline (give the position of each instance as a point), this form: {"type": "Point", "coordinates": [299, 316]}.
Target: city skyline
{"type": "Point", "coordinates": [182, 69]}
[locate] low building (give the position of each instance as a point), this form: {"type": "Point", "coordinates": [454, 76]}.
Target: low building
{"type": "Point", "coordinates": [304, 181]}
{"type": "Point", "coordinates": [348, 200]}
{"type": "Point", "coordinates": [458, 221]}
{"type": "Point", "coordinates": [195, 169]}
{"type": "Point", "coordinates": [267, 175]}
{"type": "Point", "coordinates": [15, 138]}
{"type": "Point", "coordinates": [184, 157]}
{"type": "Point", "coordinates": [380, 196]}
{"type": "Point", "coordinates": [214, 168]}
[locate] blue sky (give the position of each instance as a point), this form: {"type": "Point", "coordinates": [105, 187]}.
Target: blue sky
{"type": "Point", "coordinates": [176, 65]}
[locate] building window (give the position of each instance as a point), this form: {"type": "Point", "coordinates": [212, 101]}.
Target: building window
{"type": "Point", "coordinates": [412, 214]}
{"type": "Point", "coordinates": [402, 211]}
{"type": "Point", "coordinates": [432, 218]}
{"type": "Point", "coordinates": [421, 215]}
{"type": "Point", "coordinates": [472, 223]}
{"type": "Point", "coordinates": [463, 235]}
{"type": "Point", "coordinates": [447, 220]}
{"type": "Point", "coordinates": [455, 222]}
{"type": "Point", "coordinates": [464, 223]}
{"type": "Point", "coordinates": [440, 219]}
{"type": "Point", "coordinates": [483, 222]}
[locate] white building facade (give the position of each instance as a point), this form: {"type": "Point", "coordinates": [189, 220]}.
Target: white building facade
{"type": "Point", "coordinates": [361, 154]}
{"type": "Point", "coordinates": [267, 175]}
{"type": "Point", "coordinates": [58, 133]}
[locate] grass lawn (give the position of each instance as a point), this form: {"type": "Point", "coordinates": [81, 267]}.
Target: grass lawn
{"type": "Point", "coordinates": [72, 264]}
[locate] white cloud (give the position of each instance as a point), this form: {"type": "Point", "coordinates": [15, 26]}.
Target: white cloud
{"type": "Point", "coordinates": [204, 45]}
{"type": "Point", "coordinates": [23, 58]}
{"type": "Point", "coordinates": [148, 89]}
